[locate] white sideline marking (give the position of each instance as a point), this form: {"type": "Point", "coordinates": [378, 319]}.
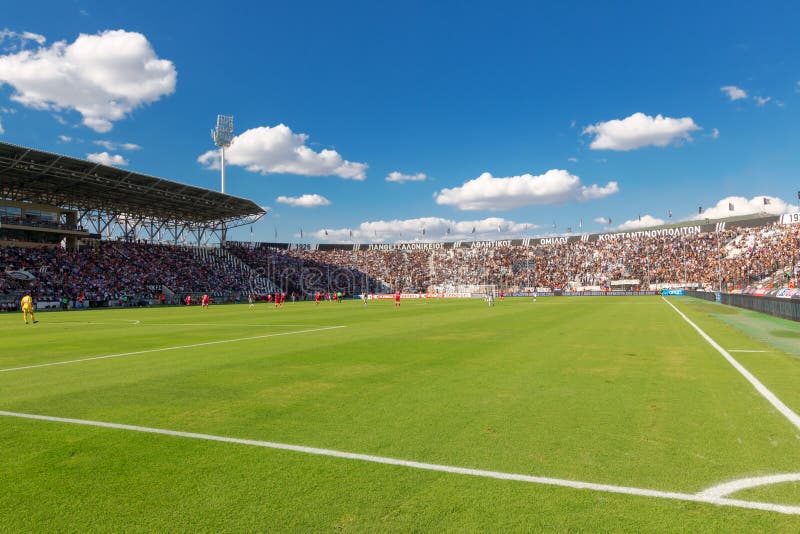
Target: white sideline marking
{"type": "Point", "coordinates": [747, 483]}
{"type": "Point", "coordinates": [574, 484]}
{"type": "Point", "coordinates": [743, 350]}
{"type": "Point", "coordinates": [761, 388]}
{"type": "Point", "coordinates": [177, 324]}
{"type": "Point", "coordinates": [131, 321]}
{"type": "Point", "coordinates": [169, 348]}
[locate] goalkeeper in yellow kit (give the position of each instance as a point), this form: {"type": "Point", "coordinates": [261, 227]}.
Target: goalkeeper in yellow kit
{"type": "Point", "coordinates": [27, 308]}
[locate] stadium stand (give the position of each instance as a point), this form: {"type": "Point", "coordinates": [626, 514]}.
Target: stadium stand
{"type": "Point", "coordinates": [46, 201]}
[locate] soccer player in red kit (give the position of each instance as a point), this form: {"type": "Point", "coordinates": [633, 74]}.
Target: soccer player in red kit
{"type": "Point", "coordinates": [501, 295]}
{"type": "Point", "coordinates": [188, 300]}
{"type": "Point", "coordinates": [397, 298]}
{"type": "Point", "coordinates": [316, 298]}
{"type": "Point", "coordinates": [204, 302]}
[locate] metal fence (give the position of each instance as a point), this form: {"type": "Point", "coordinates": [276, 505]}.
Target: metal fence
{"type": "Point", "coordinates": [786, 308]}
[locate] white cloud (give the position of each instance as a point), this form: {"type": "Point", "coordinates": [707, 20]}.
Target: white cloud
{"type": "Point", "coordinates": [304, 201]}
{"type": "Point", "coordinates": [489, 193]}
{"type": "Point", "coordinates": [277, 149]}
{"type": "Point", "coordinates": [744, 206]}
{"type": "Point", "coordinates": [103, 77]}
{"type": "Point", "coordinates": [400, 178]}
{"type": "Point", "coordinates": [435, 229]}
{"type": "Point", "coordinates": [640, 130]}
{"type": "Point", "coordinates": [715, 133]}
{"type": "Point", "coordinates": [761, 100]}
{"type": "Point", "coordinates": [104, 158]}
{"type": "Point", "coordinates": [2, 131]}
{"type": "Point", "coordinates": [111, 145]}
{"type": "Point", "coordinates": [644, 221]}
{"type": "Point", "coordinates": [9, 111]}
{"type": "Point", "coordinates": [22, 38]}
{"type": "Point", "coordinates": [733, 92]}
{"type": "Point", "coordinates": [64, 138]}
{"type": "Point", "coordinates": [601, 220]}
{"type": "Point", "coordinates": [572, 160]}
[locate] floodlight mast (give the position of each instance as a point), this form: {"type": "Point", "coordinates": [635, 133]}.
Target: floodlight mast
{"type": "Point", "coordinates": [223, 137]}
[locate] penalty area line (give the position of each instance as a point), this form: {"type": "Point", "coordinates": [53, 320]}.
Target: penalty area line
{"type": "Point", "coordinates": [573, 484]}
{"type": "Point", "coordinates": [163, 349]}
{"type": "Point", "coordinates": [761, 388]}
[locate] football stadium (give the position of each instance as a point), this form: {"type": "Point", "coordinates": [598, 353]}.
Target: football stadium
{"type": "Point", "coordinates": [581, 380]}
{"type": "Point", "coordinates": [268, 337]}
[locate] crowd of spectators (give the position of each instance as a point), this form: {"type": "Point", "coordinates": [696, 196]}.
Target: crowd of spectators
{"type": "Point", "coordinates": [306, 272]}
{"type": "Point", "coordinates": [734, 258]}
{"type": "Point", "coordinates": [731, 258]}
{"type": "Point", "coordinates": [111, 271]}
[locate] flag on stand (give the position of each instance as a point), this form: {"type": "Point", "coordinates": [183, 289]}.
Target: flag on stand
{"type": "Point", "coordinates": [730, 206]}
{"type": "Point", "coordinates": [669, 214]}
{"type": "Point", "coordinates": [700, 210]}
{"type": "Point", "coordinates": [766, 201]}
{"type": "Point", "coordinates": [473, 228]}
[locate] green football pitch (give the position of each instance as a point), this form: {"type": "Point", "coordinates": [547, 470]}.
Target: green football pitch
{"type": "Point", "coordinates": [585, 413]}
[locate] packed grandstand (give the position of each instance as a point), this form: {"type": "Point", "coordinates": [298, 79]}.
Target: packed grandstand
{"type": "Point", "coordinates": [102, 273]}
{"type": "Point", "coordinates": [75, 233]}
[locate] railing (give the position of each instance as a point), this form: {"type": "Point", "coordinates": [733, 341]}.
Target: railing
{"type": "Point", "coordinates": [778, 307]}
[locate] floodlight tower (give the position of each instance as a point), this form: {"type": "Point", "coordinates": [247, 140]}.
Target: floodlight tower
{"type": "Point", "coordinates": [223, 137]}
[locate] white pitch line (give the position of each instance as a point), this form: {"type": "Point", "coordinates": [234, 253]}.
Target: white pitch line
{"type": "Point", "coordinates": [573, 484]}
{"type": "Point", "coordinates": [169, 348]}
{"type": "Point", "coordinates": [761, 388]}
{"type": "Point", "coordinates": [177, 324]}
{"type": "Point", "coordinates": [746, 483]}
{"type": "Point", "coordinates": [745, 350]}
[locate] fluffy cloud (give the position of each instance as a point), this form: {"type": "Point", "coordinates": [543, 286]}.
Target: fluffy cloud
{"type": "Point", "coordinates": [104, 158]}
{"type": "Point", "coordinates": [639, 130]}
{"type": "Point", "coordinates": [489, 193]}
{"type": "Point", "coordinates": [110, 145]}
{"type": "Point", "coordinates": [304, 201]}
{"type": "Point", "coordinates": [21, 38]}
{"type": "Point", "coordinates": [743, 206]}
{"type": "Point", "coordinates": [64, 138]}
{"type": "Point", "coordinates": [401, 178]}
{"type": "Point", "coordinates": [715, 133]}
{"type": "Point", "coordinates": [2, 131]}
{"type": "Point", "coordinates": [103, 77]}
{"type": "Point", "coordinates": [761, 100]}
{"type": "Point", "coordinates": [277, 149]}
{"type": "Point", "coordinates": [645, 221]}
{"type": "Point", "coordinates": [733, 92]}
{"type": "Point", "coordinates": [601, 220]}
{"type": "Point", "coordinates": [426, 229]}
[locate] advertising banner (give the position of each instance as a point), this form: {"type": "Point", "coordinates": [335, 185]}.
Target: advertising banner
{"type": "Point", "coordinates": [672, 292]}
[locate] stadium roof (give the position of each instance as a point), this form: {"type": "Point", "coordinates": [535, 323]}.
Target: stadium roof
{"type": "Point", "coordinates": [32, 175]}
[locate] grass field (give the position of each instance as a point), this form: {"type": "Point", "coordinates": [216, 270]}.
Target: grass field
{"type": "Point", "coordinates": [615, 392]}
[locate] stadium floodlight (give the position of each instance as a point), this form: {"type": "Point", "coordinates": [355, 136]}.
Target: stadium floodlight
{"type": "Point", "coordinates": [223, 137]}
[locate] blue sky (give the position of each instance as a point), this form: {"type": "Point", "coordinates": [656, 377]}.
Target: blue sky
{"type": "Point", "coordinates": [511, 117]}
